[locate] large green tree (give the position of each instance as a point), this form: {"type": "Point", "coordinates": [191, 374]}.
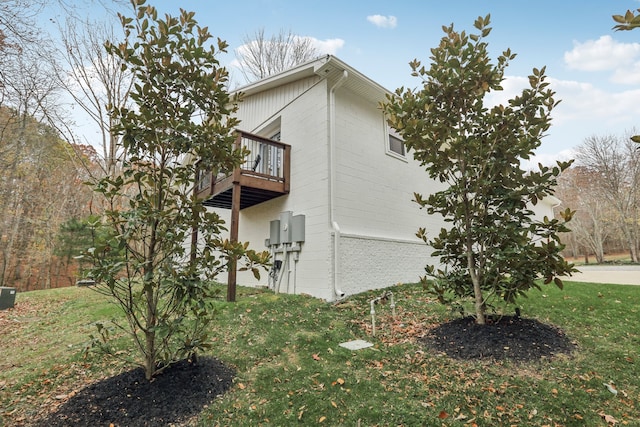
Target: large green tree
{"type": "Point", "coordinates": [181, 110]}
{"type": "Point", "coordinates": [494, 248]}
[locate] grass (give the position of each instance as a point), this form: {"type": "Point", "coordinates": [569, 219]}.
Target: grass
{"type": "Point", "coordinates": [292, 371]}
{"type": "Point", "coordinates": [609, 258]}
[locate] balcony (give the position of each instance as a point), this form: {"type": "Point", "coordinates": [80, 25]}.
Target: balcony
{"type": "Point", "coordinates": [263, 176]}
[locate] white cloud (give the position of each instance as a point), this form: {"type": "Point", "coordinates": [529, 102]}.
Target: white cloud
{"type": "Point", "coordinates": [585, 110]}
{"type": "Point", "coordinates": [627, 75]}
{"type": "Point", "coordinates": [383, 21]}
{"type": "Point", "coordinates": [328, 46]}
{"type": "Point", "coordinates": [596, 108]}
{"type": "Point", "coordinates": [602, 54]}
{"type": "Point", "coordinates": [580, 102]}
{"type": "Point", "coordinates": [546, 159]}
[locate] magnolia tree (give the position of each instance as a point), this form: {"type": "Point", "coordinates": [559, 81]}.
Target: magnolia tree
{"type": "Point", "coordinates": [494, 248]}
{"type": "Point", "coordinates": [180, 110]}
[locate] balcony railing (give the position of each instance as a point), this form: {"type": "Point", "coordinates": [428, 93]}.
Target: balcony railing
{"type": "Point", "coordinates": [263, 176]}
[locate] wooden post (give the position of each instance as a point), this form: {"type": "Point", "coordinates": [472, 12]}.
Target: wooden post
{"type": "Point", "coordinates": [194, 231]}
{"type": "Point", "coordinates": [194, 245]}
{"type": "Point", "coordinates": [233, 237]}
{"type": "Point", "coordinates": [233, 231]}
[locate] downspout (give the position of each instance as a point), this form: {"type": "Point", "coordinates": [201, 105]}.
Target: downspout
{"type": "Point", "coordinates": [332, 183]}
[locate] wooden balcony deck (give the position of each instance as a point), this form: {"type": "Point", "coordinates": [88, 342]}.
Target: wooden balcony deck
{"type": "Point", "coordinates": [263, 176]}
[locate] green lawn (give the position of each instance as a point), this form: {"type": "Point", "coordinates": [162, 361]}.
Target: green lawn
{"type": "Point", "coordinates": [292, 371]}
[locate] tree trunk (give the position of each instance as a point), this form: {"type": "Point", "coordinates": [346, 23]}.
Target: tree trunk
{"type": "Point", "coordinates": [477, 289]}
{"type": "Point", "coordinates": [150, 338]}
{"type": "Point", "coordinates": [632, 246]}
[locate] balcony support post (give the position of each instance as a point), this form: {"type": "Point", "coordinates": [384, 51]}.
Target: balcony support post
{"type": "Point", "coordinates": [233, 229]}
{"type": "Point", "coordinates": [193, 252]}
{"type": "Point", "coordinates": [233, 237]}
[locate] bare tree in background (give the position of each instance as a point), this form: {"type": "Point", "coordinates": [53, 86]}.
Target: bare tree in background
{"type": "Point", "coordinates": [95, 81]}
{"type": "Point", "coordinates": [594, 221]}
{"type": "Point", "coordinates": [260, 57]}
{"type": "Point", "coordinates": [616, 164]}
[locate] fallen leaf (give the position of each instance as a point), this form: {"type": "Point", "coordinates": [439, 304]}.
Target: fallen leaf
{"type": "Point", "coordinates": [241, 386]}
{"type": "Point", "coordinates": [334, 404]}
{"type": "Point", "coordinates": [442, 415]}
{"type": "Point", "coordinates": [609, 419]}
{"type": "Point", "coordinates": [322, 419]}
{"type": "Point", "coordinates": [315, 356]}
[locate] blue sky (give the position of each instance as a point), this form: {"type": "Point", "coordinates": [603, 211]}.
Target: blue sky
{"type": "Point", "coordinates": [594, 70]}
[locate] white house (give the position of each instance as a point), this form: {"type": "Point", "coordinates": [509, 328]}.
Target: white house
{"type": "Point", "coordinates": [327, 183]}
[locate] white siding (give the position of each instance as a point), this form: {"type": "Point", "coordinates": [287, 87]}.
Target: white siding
{"type": "Point", "coordinates": [303, 121]}
{"type": "Point", "coordinates": [372, 263]}
{"type": "Point", "coordinates": [258, 110]}
{"type": "Point", "coordinates": [375, 190]}
{"type": "Point", "coordinates": [374, 198]}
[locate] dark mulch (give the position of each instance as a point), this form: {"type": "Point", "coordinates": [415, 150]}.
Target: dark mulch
{"type": "Point", "coordinates": [129, 400]}
{"type": "Point", "coordinates": [508, 337]}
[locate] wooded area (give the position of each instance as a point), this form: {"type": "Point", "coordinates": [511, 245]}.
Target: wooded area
{"type": "Point", "coordinates": [41, 191]}
{"type": "Point", "coordinates": [44, 203]}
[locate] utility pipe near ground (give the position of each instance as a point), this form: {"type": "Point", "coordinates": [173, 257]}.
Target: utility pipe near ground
{"type": "Point", "coordinates": [337, 291]}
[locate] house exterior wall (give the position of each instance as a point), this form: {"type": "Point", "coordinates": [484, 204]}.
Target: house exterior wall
{"type": "Point", "coordinates": [374, 202]}
{"type": "Point", "coordinates": [373, 193]}
{"type": "Point", "coordinates": [302, 114]}
{"type": "Point", "coordinates": [257, 111]}
{"type": "Point", "coordinates": [544, 208]}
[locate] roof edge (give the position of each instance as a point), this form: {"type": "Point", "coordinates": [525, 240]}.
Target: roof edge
{"type": "Point", "coordinates": [321, 66]}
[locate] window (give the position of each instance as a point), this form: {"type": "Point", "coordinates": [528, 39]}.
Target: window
{"type": "Point", "coordinates": [396, 145]}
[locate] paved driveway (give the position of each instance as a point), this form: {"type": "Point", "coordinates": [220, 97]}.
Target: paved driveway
{"type": "Point", "coordinates": [619, 274]}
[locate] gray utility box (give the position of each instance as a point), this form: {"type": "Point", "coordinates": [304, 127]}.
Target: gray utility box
{"type": "Point", "coordinates": [7, 297]}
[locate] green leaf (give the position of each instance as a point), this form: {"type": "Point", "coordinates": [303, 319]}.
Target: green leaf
{"type": "Point", "coordinates": [558, 282]}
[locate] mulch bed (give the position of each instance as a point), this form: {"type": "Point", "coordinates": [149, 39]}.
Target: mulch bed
{"type": "Point", "coordinates": [129, 400]}
{"type": "Point", "coordinates": [508, 337]}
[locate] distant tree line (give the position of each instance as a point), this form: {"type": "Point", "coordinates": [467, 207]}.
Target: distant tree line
{"type": "Point", "coordinates": [603, 187]}
{"type": "Point", "coordinates": [41, 190]}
